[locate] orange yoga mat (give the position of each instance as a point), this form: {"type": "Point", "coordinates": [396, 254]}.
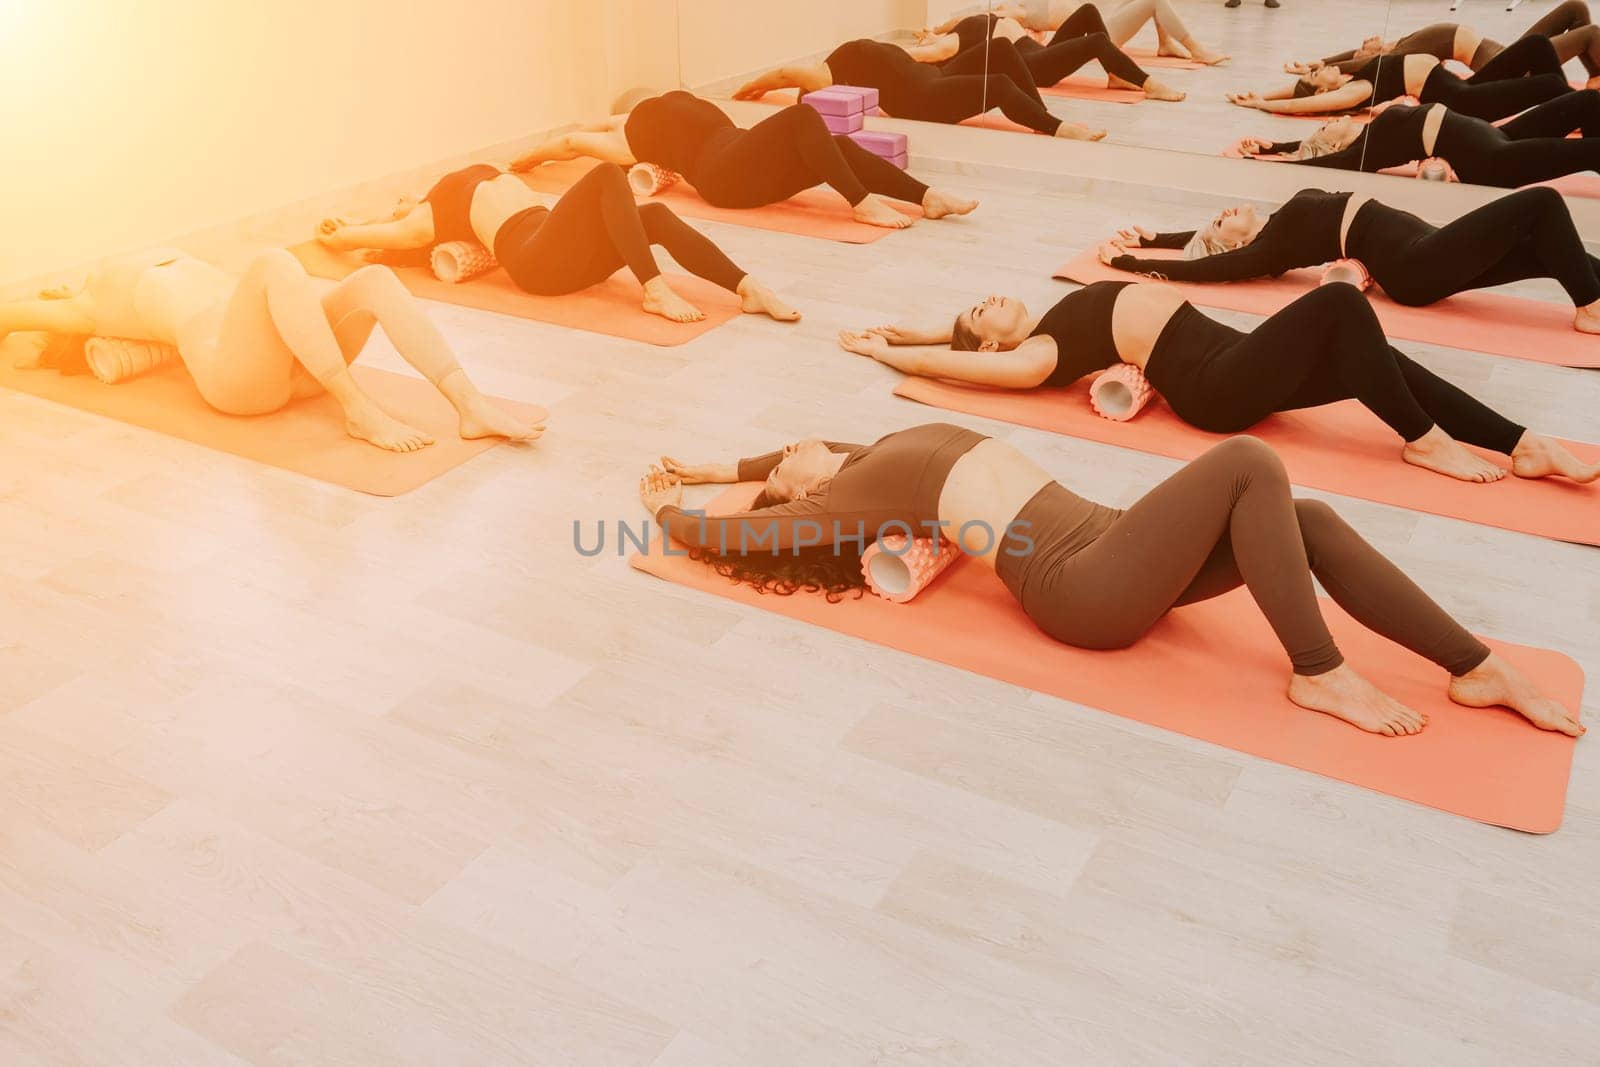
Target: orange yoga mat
{"type": "Point", "coordinates": [610, 308]}
{"type": "Point", "coordinates": [1081, 88]}
{"type": "Point", "coordinates": [1215, 672]}
{"type": "Point", "coordinates": [307, 437]}
{"type": "Point", "coordinates": [819, 212]}
{"type": "Point", "coordinates": [1341, 448]}
{"type": "Point", "coordinates": [1535, 330]}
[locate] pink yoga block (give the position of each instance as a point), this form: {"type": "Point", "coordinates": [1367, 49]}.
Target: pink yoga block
{"type": "Point", "coordinates": [880, 143]}
{"type": "Point", "coordinates": [838, 124]}
{"type": "Point", "coordinates": [834, 102]}
{"type": "Point", "coordinates": [868, 95]}
{"type": "Point", "coordinates": [902, 160]}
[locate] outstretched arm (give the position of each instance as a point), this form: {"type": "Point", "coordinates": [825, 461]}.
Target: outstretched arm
{"type": "Point", "coordinates": [1350, 95]}
{"type": "Point", "coordinates": [808, 79]}
{"type": "Point", "coordinates": [412, 230]}
{"type": "Point", "coordinates": [905, 333]}
{"type": "Point", "coordinates": [1023, 367]}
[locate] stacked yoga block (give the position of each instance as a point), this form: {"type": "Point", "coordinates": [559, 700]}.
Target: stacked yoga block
{"type": "Point", "coordinates": [845, 109]}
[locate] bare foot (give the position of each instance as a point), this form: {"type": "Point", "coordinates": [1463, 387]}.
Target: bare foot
{"type": "Point", "coordinates": [481, 418]}
{"type": "Point", "coordinates": [659, 299]}
{"type": "Point", "coordinates": [1071, 131]}
{"type": "Point", "coordinates": [1346, 695]}
{"type": "Point", "coordinates": [366, 421]}
{"type": "Point", "coordinates": [757, 299]}
{"type": "Point", "coordinates": [1537, 456]}
{"type": "Point", "coordinates": [936, 204]}
{"type": "Point", "coordinates": [875, 211]}
{"type": "Point", "coordinates": [1157, 91]}
{"type": "Point", "coordinates": [1166, 46]}
{"type": "Point", "coordinates": [1207, 56]}
{"type": "Point", "coordinates": [1494, 682]}
{"type": "Point", "coordinates": [1439, 452]}
{"type": "Point", "coordinates": [1587, 319]}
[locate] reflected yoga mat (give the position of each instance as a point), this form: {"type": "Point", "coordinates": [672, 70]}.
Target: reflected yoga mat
{"type": "Point", "coordinates": [610, 308]}
{"type": "Point", "coordinates": [820, 212]}
{"type": "Point", "coordinates": [1082, 88]}
{"type": "Point", "coordinates": [307, 437]}
{"type": "Point", "coordinates": [1341, 448]}
{"type": "Point", "coordinates": [1214, 671]}
{"type": "Point", "coordinates": [1536, 330]}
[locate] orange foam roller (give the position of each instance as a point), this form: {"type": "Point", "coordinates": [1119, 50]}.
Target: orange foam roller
{"type": "Point", "coordinates": [1120, 393]}
{"type": "Point", "coordinates": [460, 261]}
{"type": "Point", "coordinates": [1352, 271]}
{"type": "Point", "coordinates": [897, 570]}
{"type": "Point", "coordinates": [647, 179]}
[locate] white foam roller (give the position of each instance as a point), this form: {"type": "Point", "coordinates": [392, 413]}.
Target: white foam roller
{"type": "Point", "coordinates": [1120, 393]}
{"type": "Point", "coordinates": [1347, 270]}
{"type": "Point", "coordinates": [459, 261]}
{"type": "Point", "coordinates": [113, 359]}
{"type": "Point", "coordinates": [898, 571]}
{"type": "Point", "coordinates": [647, 179]}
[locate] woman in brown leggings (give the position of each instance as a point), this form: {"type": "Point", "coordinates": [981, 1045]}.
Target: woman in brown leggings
{"type": "Point", "coordinates": [1093, 576]}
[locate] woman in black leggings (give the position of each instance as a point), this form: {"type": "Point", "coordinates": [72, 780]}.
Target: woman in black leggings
{"type": "Point", "coordinates": [594, 230]}
{"type": "Point", "coordinates": [976, 81]}
{"type": "Point", "coordinates": [1080, 40]}
{"type": "Point", "coordinates": [1325, 347]}
{"type": "Point", "coordinates": [1525, 234]}
{"type": "Point", "coordinates": [1533, 147]}
{"type": "Point", "coordinates": [783, 155]}
{"type": "Point", "coordinates": [1524, 75]}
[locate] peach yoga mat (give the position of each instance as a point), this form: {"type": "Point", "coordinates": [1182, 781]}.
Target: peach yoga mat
{"type": "Point", "coordinates": [820, 212]}
{"type": "Point", "coordinates": [1215, 672]}
{"type": "Point", "coordinates": [610, 308]}
{"type": "Point", "coordinates": [1535, 330]}
{"type": "Point", "coordinates": [307, 437]}
{"type": "Point", "coordinates": [1082, 88]}
{"type": "Point", "coordinates": [1341, 448]}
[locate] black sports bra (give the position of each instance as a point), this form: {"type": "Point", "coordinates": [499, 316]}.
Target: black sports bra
{"type": "Point", "coordinates": [451, 198]}
{"type": "Point", "coordinates": [1080, 325]}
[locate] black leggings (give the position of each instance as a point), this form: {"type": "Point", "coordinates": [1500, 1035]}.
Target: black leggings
{"type": "Point", "coordinates": [962, 89]}
{"type": "Point", "coordinates": [1533, 147]}
{"type": "Point", "coordinates": [1525, 234]}
{"type": "Point", "coordinates": [1081, 39]}
{"type": "Point", "coordinates": [596, 228]}
{"type": "Point", "coordinates": [788, 153]}
{"type": "Point", "coordinates": [1325, 347]}
{"type": "Point", "coordinates": [1227, 519]}
{"type": "Point", "coordinates": [1524, 75]}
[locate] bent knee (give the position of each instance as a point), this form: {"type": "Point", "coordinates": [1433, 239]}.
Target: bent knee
{"type": "Point", "coordinates": [275, 263]}
{"type": "Point", "coordinates": [375, 281]}
{"type": "Point", "coordinates": [1316, 515]}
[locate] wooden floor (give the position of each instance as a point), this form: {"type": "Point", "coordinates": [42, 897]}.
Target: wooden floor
{"type": "Point", "coordinates": [292, 775]}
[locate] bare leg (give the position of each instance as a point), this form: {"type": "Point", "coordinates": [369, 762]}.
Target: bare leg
{"type": "Point", "coordinates": [374, 296]}
{"type": "Point", "coordinates": [1172, 36]}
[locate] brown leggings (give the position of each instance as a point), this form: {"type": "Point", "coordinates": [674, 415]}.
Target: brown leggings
{"type": "Point", "coordinates": [1225, 520]}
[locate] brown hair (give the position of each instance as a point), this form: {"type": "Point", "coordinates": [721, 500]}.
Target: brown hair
{"type": "Point", "coordinates": [963, 338]}
{"type": "Point", "coordinates": [832, 570]}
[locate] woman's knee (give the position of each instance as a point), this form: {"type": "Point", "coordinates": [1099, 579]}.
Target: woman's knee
{"type": "Point", "coordinates": [374, 284]}
{"type": "Point", "coordinates": [276, 264]}
{"type": "Point", "coordinates": [1247, 455]}
{"type": "Point", "coordinates": [656, 217]}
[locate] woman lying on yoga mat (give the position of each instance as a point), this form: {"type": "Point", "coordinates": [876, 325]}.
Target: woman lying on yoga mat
{"type": "Point", "coordinates": [1525, 74]}
{"type": "Point", "coordinates": [1092, 576]}
{"type": "Point", "coordinates": [1325, 347]}
{"type": "Point", "coordinates": [595, 228]}
{"type": "Point", "coordinates": [1533, 147]}
{"type": "Point", "coordinates": [976, 81]}
{"type": "Point", "coordinates": [1568, 26]}
{"type": "Point", "coordinates": [730, 167]}
{"type": "Point", "coordinates": [1123, 19]}
{"type": "Point", "coordinates": [255, 343]}
{"type": "Point", "coordinates": [1525, 234]}
{"type": "Point", "coordinates": [1081, 39]}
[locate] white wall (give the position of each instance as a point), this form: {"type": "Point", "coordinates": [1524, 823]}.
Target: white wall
{"type": "Point", "coordinates": [724, 38]}
{"type": "Point", "coordinates": [127, 122]}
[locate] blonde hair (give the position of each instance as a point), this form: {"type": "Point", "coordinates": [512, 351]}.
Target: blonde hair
{"type": "Point", "coordinates": [1315, 145]}
{"type": "Point", "coordinates": [1202, 245]}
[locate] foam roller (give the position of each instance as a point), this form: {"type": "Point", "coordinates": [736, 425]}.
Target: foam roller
{"type": "Point", "coordinates": [897, 571]}
{"type": "Point", "coordinates": [459, 261]}
{"type": "Point", "coordinates": [647, 179]}
{"type": "Point", "coordinates": [1347, 270]}
{"type": "Point", "coordinates": [113, 359]}
{"type": "Point", "coordinates": [1120, 393]}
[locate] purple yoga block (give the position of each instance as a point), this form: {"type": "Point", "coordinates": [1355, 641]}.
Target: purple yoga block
{"type": "Point", "coordinates": [881, 143]}
{"type": "Point", "coordinates": [869, 96]}
{"type": "Point", "coordinates": [834, 102]}
{"type": "Point", "coordinates": [902, 160]}
{"type": "Point", "coordinates": [838, 124]}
